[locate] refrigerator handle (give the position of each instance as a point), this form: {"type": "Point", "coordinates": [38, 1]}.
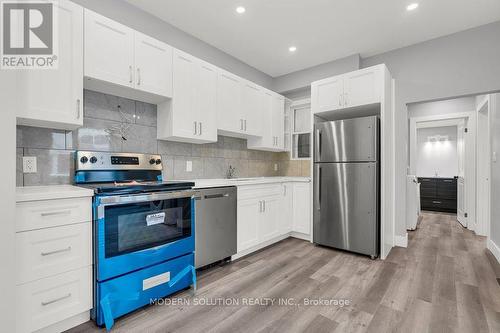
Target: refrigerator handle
{"type": "Point", "coordinates": [318, 189]}
{"type": "Point", "coordinates": [318, 145]}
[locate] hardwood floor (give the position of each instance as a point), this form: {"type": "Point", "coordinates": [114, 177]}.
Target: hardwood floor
{"type": "Point", "coordinates": [443, 282]}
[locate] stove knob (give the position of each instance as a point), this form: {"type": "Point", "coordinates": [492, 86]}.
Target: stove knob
{"type": "Point", "coordinates": [152, 161]}
{"type": "Point", "coordinates": [158, 161]}
{"type": "Point", "coordinates": [84, 159]}
{"type": "Point", "coordinates": [93, 159]}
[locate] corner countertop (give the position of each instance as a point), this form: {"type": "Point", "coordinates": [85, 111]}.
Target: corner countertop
{"type": "Point", "coordinates": [207, 183]}
{"type": "Point", "coordinates": [51, 192]}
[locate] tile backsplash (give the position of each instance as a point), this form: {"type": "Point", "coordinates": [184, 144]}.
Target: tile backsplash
{"type": "Point", "coordinates": [118, 124]}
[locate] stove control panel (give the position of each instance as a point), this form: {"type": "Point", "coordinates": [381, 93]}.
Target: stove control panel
{"type": "Point", "coordinates": [88, 160]}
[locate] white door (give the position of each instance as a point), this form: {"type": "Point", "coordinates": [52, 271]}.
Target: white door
{"type": "Point", "coordinates": [229, 102]}
{"type": "Point", "coordinates": [483, 171]}
{"type": "Point", "coordinates": [302, 208]}
{"type": "Point", "coordinates": [184, 95]}
{"type": "Point", "coordinates": [109, 50]}
{"type": "Point", "coordinates": [249, 215]}
{"type": "Point", "coordinates": [269, 224]}
{"type": "Point", "coordinates": [206, 107]}
{"type": "Point", "coordinates": [461, 182]}
{"type": "Point", "coordinates": [279, 121]}
{"type": "Point", "coordinates": [251, 109]}
{"type": "Point", "coordinates": [362, 87]}
{"type": "Point", "coordinates": [153, 65]}
{"type": "Point", "coordinates": [327, 94]}
{"type": "Point", "coordinates": [54, 97]}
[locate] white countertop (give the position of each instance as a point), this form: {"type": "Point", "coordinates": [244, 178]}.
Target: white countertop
{"type": "Point", "coordinates": [204, 183]}
{"type": "Point", "coordinates": [51, 192]}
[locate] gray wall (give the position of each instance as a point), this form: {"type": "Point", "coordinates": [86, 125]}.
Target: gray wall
{"type": "Point", "coordinates": [146, 23]}
{"type": "Point", "coordinates": [454, 105]}
{"type": "Point", "coordinates": [54, 148]}
{"type": "Point", "coordinates": [495, 170]}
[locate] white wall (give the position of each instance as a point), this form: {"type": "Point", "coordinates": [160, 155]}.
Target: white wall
{"type": "Point", "coordinates": [495, 169]}
{"type": "Point", "coordinates": [455, 105]}
{"type": "Point", "coordinates": [437, 158]}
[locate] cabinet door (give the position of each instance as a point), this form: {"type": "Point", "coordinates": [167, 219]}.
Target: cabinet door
{"type": "Point", "coordinates": [267, 120]}
{"type": "Point", "coordinates": [206, 96]}
{"type": "Point", "coordinates": [362, 87]}
{"type": "Point", "coordinates": [302, 208]}
{"type": "Point", "coordinates": [327, 94]}
{"type": "Point", "coordinates": [252, 109]}
{"type": "Point", "coordinates": [109, 50]}
{"type": "Point", "coordinates": [184, 95]}
{"type": "Point", "coordinates": [229, 102]}
{"type": "Point", "coordinates": [278, 115]}
{"type": "Point", "coordinates": [153, 65]}
{"type": "Point", "coordinates": [53, 98]}
{"type": "Point", "coordinates": [269, 224]}
{"type": "Point", "coordinates": [249, 216]}
{"type": "Point", "coordinates": [286, 217]}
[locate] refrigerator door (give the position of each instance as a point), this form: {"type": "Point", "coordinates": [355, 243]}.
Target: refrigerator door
{"type": "Point", "coordinates": [345, 206]}
{"type": "Point", "coordinates": [349, 140]}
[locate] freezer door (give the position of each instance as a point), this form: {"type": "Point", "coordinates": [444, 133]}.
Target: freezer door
{"type": "Point", "coordinates": [349, 140]}
{"type": "Point", "coordinates": [346, 206]}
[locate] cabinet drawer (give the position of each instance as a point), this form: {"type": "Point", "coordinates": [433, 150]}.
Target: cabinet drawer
{"type": "Point", "coordinates": [259, 191]}
{"type": "Point", "coordinates": [445, 205]}
{"type": "Point", "coordinates": [45, 252]}
{"type": "Point", "coordinates": [47, 301]}
{"type": "Point", "coordinates": [447, 188]}
{"type": "Point", "coordinates": [32, 215]}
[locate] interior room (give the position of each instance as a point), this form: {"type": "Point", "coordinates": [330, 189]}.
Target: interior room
{"type": "Point", "coordinates": [250, 166]}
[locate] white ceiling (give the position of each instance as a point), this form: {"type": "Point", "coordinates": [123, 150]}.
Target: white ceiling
{"type": "Point", "coordinates": [322, 30]}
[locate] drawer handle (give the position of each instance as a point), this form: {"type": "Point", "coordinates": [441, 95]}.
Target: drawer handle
{"type": "Point", "coordinates": [56, 251]}
{"type": "Point", "coordinates": [61, 212]}
{"type": "Point", "coordinates": [56, 299]}
{"type": "Point", "coordinates": [436, 202]}
{"type": "Point", "coordinates": [448, 180]}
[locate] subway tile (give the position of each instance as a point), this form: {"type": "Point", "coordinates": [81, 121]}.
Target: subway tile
{"type": "Point", "coordinates": [37, 137]}
{"type": "Point", "coordinates": [145, 114]}
{"type": "Point", "coordinates": [305, 168]}
{"type": "Point", "coordinates": [174, 148]}
{"type": "Point", "coordinates": [213, 167]}
{"type": "Point", "coordinates": [19, 167]}
{"type": "Point", "coordinates": [180, 167]}
{"type": "Point", "coordinates": [106, 107]}
{"type": "Point", "coordinates": [94, 135]}
{"type": "Point", "coordinates": [168, 167]}
{"type": "Point", "coordinates": [53, 167]}
{"type": "Point", "coordinates": [141, 139]}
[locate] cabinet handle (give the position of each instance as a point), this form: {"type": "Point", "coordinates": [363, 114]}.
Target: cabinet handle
{"type": "Point", "coordinates": [436, 202]}
{"type": "Point", "coordinates": [61, 212]}
{"type": "Point", "coordinates": [55, 251]}
{"type": "Point", "coordinates": [201, 128]}
{"type": "Point", "coordinates": [44, 303]}
{"type": "Point", "coordinates": [341, 99]}
{"type": "Point", "coordinates": [241, 124]}
{"type": "Point", "coordinates": [195, 127]}
{"type": "Point", "coordinates": [346, 102]}
{"type": "Point", "coordinates": [131, 74]}
{"type": "Point", "coordinates": [138, 76]}
{"type": "Point", "coordinates": [448, 180]}
{"type": "Point", "coordinates": [260, 206]}
{"type": "Point", "coordinates": [78, 108]}
{"type": "Point", "coordinates": [245, 122]}
{"type": "Point", "coordinates": [284, 190]}
{"type": "Point", "coordinates": [263, 205]}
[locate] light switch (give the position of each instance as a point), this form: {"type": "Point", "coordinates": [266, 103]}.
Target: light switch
{"type": "Point", "coordinates": [494, 156]}
{"type": "Point", "coordinates": [189, 166]}
{"type": "Point", "coordinates": [29, 164]}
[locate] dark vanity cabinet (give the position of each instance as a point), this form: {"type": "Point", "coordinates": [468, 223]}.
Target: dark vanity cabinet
{"type": "Point", "coordinates": [438, 194]}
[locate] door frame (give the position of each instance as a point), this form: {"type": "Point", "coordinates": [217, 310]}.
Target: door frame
{"type": "Point", "coordinates": [470, 155]}
{"type": "Point", "coordinates": [483, 170]}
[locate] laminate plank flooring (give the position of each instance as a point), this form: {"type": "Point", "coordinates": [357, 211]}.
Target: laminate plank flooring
{"type": "Point", "coordinates": [445, 281]}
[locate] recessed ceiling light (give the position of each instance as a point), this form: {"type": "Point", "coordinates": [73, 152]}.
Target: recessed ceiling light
{"type": "Point", "coordinates": [412, 6]}
{"type": "Point", "coordinates": [240, 9]}
{"type": "Point", "coordinates": [292, 48]}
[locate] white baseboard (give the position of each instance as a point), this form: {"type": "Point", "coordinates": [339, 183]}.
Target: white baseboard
{"type": "Point", "coordinates": [494, 249]}
{"type": "Point", "coordinates": [300, 235]}
{"type": "Point", "coordinates": [401, 241]}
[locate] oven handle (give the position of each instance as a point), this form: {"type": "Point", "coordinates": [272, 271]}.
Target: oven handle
{"type": "Point", "coordinates": [125, 199]}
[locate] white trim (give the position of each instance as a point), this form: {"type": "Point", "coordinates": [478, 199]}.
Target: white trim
{"type": "Point", "coordinates": [401, 241]}
{"type": "Point", "coordinates": [495, 250]}
{"type": "Point", "coordinates": [301, 235]}
{"type": "Point", "coordinates": [300, 103]}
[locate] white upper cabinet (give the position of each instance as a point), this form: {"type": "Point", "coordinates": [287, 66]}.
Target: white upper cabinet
{"type": "Point", "coordinates": [124, 62]}
{"type": "Point", "coordinates": [53, 98]}
{"type": "Point", "coordinates": [153, 67]}
{"type": "Point", "coordinates": [229, 102]}
{"type": "Point", "coordinates": [190, 115]}
{"type": "Point", "coordinates": [251, 107]}
{"type": "Point", "coordinates": [278, 120]}
{"type": "Point", "coordinates": [358, 88]}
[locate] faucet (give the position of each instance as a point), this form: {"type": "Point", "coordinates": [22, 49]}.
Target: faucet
{"type": "Point", "coordinates": [231, 171]}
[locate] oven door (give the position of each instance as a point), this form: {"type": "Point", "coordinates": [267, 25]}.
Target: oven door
{"type": "Point", "coordinates": [137, 231]}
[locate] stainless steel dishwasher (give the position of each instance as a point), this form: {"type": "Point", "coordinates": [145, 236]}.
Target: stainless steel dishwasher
{"type": "Point", "coordinates": [215, 225]}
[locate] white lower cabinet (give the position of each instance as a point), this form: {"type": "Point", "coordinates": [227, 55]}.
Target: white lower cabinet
{"type": "Point", "coordinates": [269, 213]}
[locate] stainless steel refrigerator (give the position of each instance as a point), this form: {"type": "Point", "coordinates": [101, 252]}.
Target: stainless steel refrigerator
{"type": "Point", "coordinates": [346, 185]}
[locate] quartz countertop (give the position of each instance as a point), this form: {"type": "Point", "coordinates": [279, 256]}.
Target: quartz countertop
{"type": "Point", "coordinates": [51, 192]}
{"type": "Point", "coordinates": [206, 183]}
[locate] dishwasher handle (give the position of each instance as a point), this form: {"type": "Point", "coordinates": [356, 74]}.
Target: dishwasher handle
{"type": "Point", "coordinates": [214, 196]}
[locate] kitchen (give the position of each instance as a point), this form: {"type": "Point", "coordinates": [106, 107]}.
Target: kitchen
{"type": "Point", "coordinates": [230, 177]}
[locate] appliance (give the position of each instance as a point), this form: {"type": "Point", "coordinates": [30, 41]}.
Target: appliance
{"type": "Point", "coordinates": [346, 187]}
{"type": "Point", "coordinates": [216, 225]}
{"type": "Point", "coordinates": [143, 231]}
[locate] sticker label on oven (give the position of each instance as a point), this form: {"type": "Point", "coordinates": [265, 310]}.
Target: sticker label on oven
{"type": "Point", "coordinates": [155, 280]}
{"type": "Point", "coordinates": [157, 218]}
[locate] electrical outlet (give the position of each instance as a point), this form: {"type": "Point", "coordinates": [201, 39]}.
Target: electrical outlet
{"type": "Point", "coordinates": [29, 164]}
{"type": "Point", "coordinates": [189, 166]}
{"type": "Point", "coordinates": [275, 166]}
